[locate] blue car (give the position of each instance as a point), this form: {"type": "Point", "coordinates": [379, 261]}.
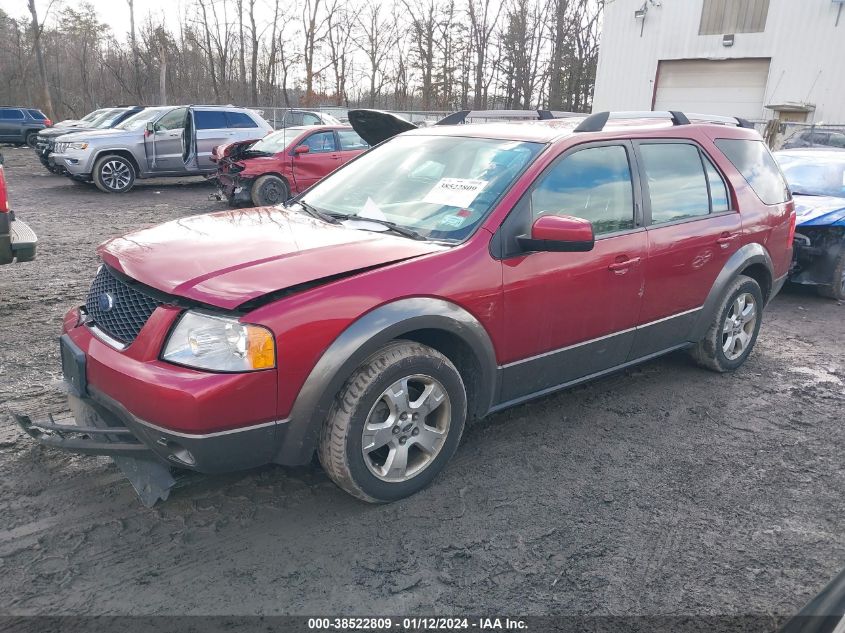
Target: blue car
{"type": "Point", "coordinates": [816, 178]}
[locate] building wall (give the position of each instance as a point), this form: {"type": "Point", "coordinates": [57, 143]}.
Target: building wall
{"type": "Point", "coordinates": [807, 53]}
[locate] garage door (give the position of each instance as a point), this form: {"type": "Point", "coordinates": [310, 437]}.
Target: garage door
{"type": "Point", "coordinates": [733, 87]}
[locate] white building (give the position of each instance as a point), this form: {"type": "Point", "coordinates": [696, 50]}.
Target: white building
{"type": "Point", "coordinates": [758, 59]}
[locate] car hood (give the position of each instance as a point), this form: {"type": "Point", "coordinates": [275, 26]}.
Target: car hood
{"type": "Point", "coordinates": [96, 134]}
{"type": "Point", "coordinates": [229, 258]}
{"type": "Point", "coordinates": [53, 132]}
{"type": "Point", "coordinates": [375, 126]}
{"type": "Point", "coordinates": [819, 210]}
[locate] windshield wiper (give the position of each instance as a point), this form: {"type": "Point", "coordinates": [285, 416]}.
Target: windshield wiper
{"type": "Point", "coordinates": [404, 231]}
{"type": "Point", "coordinates": [314, 212]}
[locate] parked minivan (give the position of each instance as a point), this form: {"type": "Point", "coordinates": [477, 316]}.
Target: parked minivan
{"type": "Point", "coordinates": [156, 142]}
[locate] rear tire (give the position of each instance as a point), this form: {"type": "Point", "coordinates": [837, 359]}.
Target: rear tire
{"type": "Point", "coordinates": [32, 139]}
{"type": "Point", "coordinates": [395, 423]}
{"type": "Point", "coordinates": [837, 289]}
{"type": "Point", "coordinates": [114, 174]}
{"type": "Point", "coordinates": [736, 324]}
{"type": "Point", "coordinates": [269, 190]}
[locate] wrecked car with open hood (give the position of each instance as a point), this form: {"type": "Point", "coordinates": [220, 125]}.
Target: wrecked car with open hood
{"type": "Point", "coordinates": [817, 180]}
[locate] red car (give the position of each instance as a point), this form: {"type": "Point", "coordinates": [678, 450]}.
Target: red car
{"type": "Point", "coordinates": [283, 163]}
{"type": "Point", "coordinates": [446, 274]}
{"type": "Point", "coordinates": [17, 240]}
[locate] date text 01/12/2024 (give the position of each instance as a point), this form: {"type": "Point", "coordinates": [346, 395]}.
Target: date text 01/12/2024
{"type": "Point", "coordinates": [417, 624]}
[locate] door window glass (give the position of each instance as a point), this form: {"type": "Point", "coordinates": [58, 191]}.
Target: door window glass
{"type": "Point", "coordinates": [11, 115]}
{"type": "Point", "coordinates": [240, 120]}
{"type": "Point", "coordinates": [321, 142]}
{"type": "Point", "coordinates": [210, 119]}
{"type": "Point", "coordinates": [719, 201]}
{"type": "Point", "coordinates": [676, 183]}
{"type": "Point", "coordinates": [173, 120]}
{"type": "Point", "coordinates": [754, 161]}
{"type": "Point", "coordinates": [310, 119]}
{"type": "Point", "coordinates": [349, 140]}
{"type": "Point", "coordinates": [593, 184]}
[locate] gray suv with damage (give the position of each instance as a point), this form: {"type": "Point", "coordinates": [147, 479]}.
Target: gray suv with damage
{"type": "Point", "coordinates": [157, 142]}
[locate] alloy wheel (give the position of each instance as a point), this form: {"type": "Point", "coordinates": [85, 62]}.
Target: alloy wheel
{"type": "Point", "coordinates": [116, 174]}
{"type": "Point", "coordinates": [739, 325]}
{"type": "Point", "coordinates": [406, 428]}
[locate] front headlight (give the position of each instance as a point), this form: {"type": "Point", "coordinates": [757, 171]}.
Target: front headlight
{"type": "Point", "coordinates": [78, 146]}
{"type": "Point", "coordinates": [206, 341]}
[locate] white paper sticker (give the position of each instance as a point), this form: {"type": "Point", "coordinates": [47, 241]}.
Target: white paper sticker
{"type": "Point", "coordinates": [371, 210]}
{"type": "Point", "coordinates": [455, 192]}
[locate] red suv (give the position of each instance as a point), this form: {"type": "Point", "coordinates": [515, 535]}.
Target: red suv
{"type": "Point", "coordinates": [448, 273]}
{"type": "Point", "coordinates": [283, 163]}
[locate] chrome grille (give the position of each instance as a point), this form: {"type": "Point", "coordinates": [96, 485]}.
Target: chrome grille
{"type": "Point", "coordinates": [117, 308]}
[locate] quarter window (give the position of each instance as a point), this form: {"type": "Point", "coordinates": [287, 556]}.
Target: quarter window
{"type": "Point", "coordinates": [719, 201]}
{"type": "Point", "coordinates": [593, 184]}
{"type": "Point", "coordinates": [754, 161]}
{"type": "Point", "coordinates": [321, 142]}
{"type": "Point", "coordinates": [349, 140]}
{"type": "Point", "coordinates": [676, 184]}
{"type": "Point", "coordinates": [240, 120]}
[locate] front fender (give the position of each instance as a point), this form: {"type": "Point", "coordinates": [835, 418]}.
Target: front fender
{"type": "Point", "coordinates": [362, 339]}
{"type": "Point", "coordinates": [748, 255]}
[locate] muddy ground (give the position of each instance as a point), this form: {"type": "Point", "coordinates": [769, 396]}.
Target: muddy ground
{"type": "Point", "coordinates": [664, 490]}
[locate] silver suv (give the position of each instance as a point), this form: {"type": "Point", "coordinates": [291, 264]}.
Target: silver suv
{"type": "Point", "coordinates": [156, 142]}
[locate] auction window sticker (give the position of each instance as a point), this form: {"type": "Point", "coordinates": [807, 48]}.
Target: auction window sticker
{"type": "Point", "coordinates": [455, 192]}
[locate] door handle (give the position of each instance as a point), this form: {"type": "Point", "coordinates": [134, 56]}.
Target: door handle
{"type": "Point", "coordinates": [725, 239]}
{"type": "Point", "coordinates": [621, 267]}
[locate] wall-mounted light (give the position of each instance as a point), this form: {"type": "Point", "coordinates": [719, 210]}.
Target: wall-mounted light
{"type": "Point", "coordinates": [640, 13]}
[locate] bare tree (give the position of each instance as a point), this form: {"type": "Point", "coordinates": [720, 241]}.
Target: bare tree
{"type": "Point", "coordinates": [46, 100]}
{"type": "Point", "coordinates": [483, 22]}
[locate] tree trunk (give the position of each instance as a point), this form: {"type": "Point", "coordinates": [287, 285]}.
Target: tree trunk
{"type": "Point", "coordinates": [46, 101]}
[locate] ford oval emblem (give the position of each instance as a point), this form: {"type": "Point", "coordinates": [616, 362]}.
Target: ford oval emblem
{"type": "Point", "coordinates": [105, 302]}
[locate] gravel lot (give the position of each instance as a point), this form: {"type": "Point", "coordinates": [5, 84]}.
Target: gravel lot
{"type": "Point", "coordinates": [663, 490]}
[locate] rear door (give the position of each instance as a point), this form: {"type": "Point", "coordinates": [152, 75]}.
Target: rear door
{"type": "Point", "coordinates": [692, 230]}
{"type": "Point", "coordinates": [167, 145]}
{"type": "Point", "coordinates": [321, 159]}
{"type": "Point", "coordinates": [350, 145]}
{"type": "Point", "coordinates": [212, 129]}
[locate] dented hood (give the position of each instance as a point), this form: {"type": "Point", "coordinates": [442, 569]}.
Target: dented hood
{"type": "Point", "coordinates": [819, 210]}
{"type": "Point", "coordinates": [226, 259]}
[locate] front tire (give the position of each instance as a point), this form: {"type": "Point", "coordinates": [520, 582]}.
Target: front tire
{"type": "Point", "coordinates": [836, 290]}
{"type": "Point", "coordinates": [32, 139]}
{"type": "Point", "coordinates": [269, 190]}
{"type": "Point", "coordinates": [114, 174]}
{"type": "Point", "coordinates": [395, 423]}
{"type": "Point", "coordinates": [733, 333]}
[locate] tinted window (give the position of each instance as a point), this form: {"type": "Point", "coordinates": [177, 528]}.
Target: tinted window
{"type": "Point", "coordinates": [754, 161]}
{"type": "Point", "coordinates": [173, 120]}
{"type": "Point", "coordinates": [210, 119]}
{"type": "Point", "coordinates": [240, 119]}
{"type": "Point", "coordinates": [594, 184]}
{"type": "Point", "coordinates": [349, 140]}
{"type": "Point", "coordinates": [321, 142]}
{"type": "Point", "coordinates": [11, 115]}
{"type": "Point", "coordinates": [676, 184]}
{"type": "Point", "coordinates": [37, 114]}
{"type": "Point", "coordinates": [718, 191]}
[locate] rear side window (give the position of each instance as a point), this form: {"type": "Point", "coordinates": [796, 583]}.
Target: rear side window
{"type": "Point", "coordinates": [718, 190]}
{"type": "Point", "coordinates": [593, 184]}
{"type": "Point", "coordinates": [349, 140]}
{"type": "Point", "coordinates": [37, 114]}
{"type": "Point", "coordinates": [310, 119]}
{"type": "Point", "coordinates": [676, 182]}
{"type": "Point", "coordinates": [11, 115]}
{"type": "Point", "coordinates": [754, 161]}
{"type": "Point", "coordinates": [240, 120]}
{"type": "Point", "coordinates": [210, 119]}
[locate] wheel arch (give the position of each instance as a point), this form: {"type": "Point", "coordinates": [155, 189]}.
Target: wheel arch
{"type": "Point", "coordinates": [442, 325]}
{"type": "Point", "coordinates": [752, 260]}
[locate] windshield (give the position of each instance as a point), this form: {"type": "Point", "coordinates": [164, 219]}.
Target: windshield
{"type": "Point", "coordinates": [439, 186]}
{"type": "Point", "coordinates": [139, 120]}
{"type": "Point", "coordinates": [107, 118]}
{"type": "Point", "coordinates": [816, 174]}
{"type": "Point", "coordinates": [276, 142]}
{"type": "Point", "coordinates": [92, 115]}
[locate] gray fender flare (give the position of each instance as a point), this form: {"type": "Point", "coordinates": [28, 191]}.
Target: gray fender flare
{"type": "Point", "coordinates": [746, 256]}
{"type": "Point", "coordinates": [300, 433]}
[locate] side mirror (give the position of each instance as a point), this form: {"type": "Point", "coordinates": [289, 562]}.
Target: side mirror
{"type": "Point", "coordinates": [559, 233]}
{"type": "Point", "coordinates": [301, 149]}
{"type": "Point", "coordinates": [149, 128]}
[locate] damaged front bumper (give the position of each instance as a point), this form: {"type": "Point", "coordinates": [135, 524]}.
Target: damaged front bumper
{"type": "Point", "coordinates": [148, 455]}
{"type": "Point", "coordinates": [816, 250]}
{"type": "Point", "coordinates": [233, 189]}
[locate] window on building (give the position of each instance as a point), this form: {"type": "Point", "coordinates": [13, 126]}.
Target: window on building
{"type": "Point", "coordinates": [733, 16]}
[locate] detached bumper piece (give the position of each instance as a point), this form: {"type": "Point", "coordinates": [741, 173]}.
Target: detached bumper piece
{"type": "Point", "coordinates": [17, 240]}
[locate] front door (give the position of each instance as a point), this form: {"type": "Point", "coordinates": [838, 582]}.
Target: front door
{"type": "Point", "coordinates": [166, 147]}
{"type": "Point", "coordinates": [321, 159]}
{"type": "Point", "coordinates": [570, 315]}
{"type": "Point", "coordinates": [692, 231]}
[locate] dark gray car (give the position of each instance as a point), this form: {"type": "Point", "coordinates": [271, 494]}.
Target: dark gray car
{"type": "Point", "coordinates": [21, 125]}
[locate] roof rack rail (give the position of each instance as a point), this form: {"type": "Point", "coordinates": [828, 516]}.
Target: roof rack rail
{"type": "Point", "coordinates": [596, 121]}
{"type": "Point", "coordinates": [461, 116]}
